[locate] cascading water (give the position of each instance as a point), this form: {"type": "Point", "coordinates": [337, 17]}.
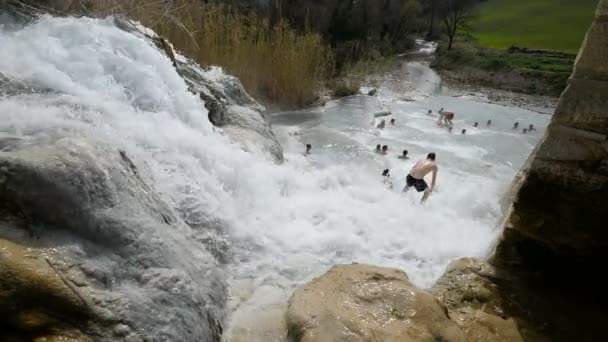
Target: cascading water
{"type": "Point", "coordinates": [285, 223]}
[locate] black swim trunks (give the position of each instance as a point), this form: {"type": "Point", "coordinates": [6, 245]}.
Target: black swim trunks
{"type": "Point", "coordinates": [419, 184]}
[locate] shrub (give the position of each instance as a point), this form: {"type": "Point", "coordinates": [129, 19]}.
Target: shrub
{"type": "Point", "coordinates": [344, 87]}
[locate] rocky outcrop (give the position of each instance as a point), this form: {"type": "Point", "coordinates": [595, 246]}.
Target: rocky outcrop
{"type": "Point", "coordinates": [229, 105]}
{"type": "Point", "coordinates": [555, 240]}
{"type": "Point", "coordinates": [367, 303]}
{"type": "Point", "coordinates": [88, 248]}
{"type": "Point", "coordinates": [471, 290]}
{"type": "Point", "coordinates": [559, 213]}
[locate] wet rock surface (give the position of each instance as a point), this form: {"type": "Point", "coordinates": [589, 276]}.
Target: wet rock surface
{"type": "Point", "coordinates": [88, 247]}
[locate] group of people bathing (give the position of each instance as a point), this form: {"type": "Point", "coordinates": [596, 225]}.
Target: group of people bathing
{"type": "Point", "coordinates": [445, 118]}
{"type": "Point", "coordinates": [382, 123]}
{"type": "Point", "coordinates": [415, 178]}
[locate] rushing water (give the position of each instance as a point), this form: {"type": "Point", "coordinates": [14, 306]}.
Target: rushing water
{"type": "Point", "coordinates": [286, 223]}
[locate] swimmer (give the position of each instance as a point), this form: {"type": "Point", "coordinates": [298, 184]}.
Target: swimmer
{"type": "Point", "coordinates": [416, 176]}
{"type": "Point", "coordinates": [525, 130]}
{"type": "Point", "coordinates": [308, 149]}
{"type": "Point", "coordinates": [384, 150]}
{"type": "Point", "coordinates": [386, 175]}
{"type": "Point", "coordinates": [531, 128]}
{"type": "Point", "coordinates": [392, 122]}
{"type": "Point", "coordinates": [404, 155]}
{"type": "Point", "coordinates": [430, 113]}
{"type": "Point", "coordinates": [378, 149]}
{"type": "Point", "coordinates": [476, 124]}
{"type": "Point", "coordinates": [464, 131]}
{"type": "Point", "coordinates": [516, 125]}
{"type": "Point", "coordinates": [382, 124]}
{"type": "Point", "coordinates": [450, 129]}
{"type": "Point", "coordinates": [489, 123]}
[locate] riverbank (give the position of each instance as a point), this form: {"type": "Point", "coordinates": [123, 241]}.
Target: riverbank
{"type": "Point", "coordinates": [524, 71]}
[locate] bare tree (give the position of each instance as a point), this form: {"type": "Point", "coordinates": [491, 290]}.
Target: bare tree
{"type": "Point", "coordinates": [431, 33]}
{"type": "Point", "coordinates": [458, 15]}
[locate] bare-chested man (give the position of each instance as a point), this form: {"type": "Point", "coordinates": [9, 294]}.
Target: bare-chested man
{"type": "Point", "coordinates": [446, 117]}
{"type": "Point", "coordinates": [416, 176]}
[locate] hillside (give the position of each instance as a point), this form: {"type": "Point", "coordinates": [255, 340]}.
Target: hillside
{"type": "Point", "coordinates": [542, 24]}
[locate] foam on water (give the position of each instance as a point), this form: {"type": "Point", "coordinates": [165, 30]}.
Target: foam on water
{"type": "Point", "coordinates": [285, 223]}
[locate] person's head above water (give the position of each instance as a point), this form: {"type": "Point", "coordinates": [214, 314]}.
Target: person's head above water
{"type": "Point", "coordinates": [476, 124]}
{"type": "Point", "coordinates": [464, 131]}
{"type": "Point", "coordinates": [378, 147]}
{"type": "Point", "coordinates": [385, 148]}
{"type": "Point", "coordinates": [489, 122]}
{"type": "Point", "coordinates": [308, 147]}
{"type": "Point", "coordinates": [516, 124]}
{"type": "Point", "coordinates": [386, 173]}
{"type": "Point", "coordinates": [392, 121]}
{"type": "Point", "coordinates": [404, 153]}
{"type": "Point", "coordinates": [431, 156]}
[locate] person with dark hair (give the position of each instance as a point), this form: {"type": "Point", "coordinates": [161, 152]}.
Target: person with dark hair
{"type": "Point", "coordinates": [404, 155]}
{"type": "Point", "coordinates": [382, 124]}
{"type": "Point", "coordinates": [308, 149]}
{"type": "Point", "coordinates": [386, 175]}
{"type": "Point", "coordinates": [378, 149]}
{"type": "Point", "coordinates": [416, 176]}
{"type": "Point", "coordinates": [515, 125]}
{"type": "Point", "coordinates": [392, 122]}
{"type": "Point", "coordinates": [531, 128]}
{"type": "Point", "coordinates": [450, 129]}
{"type": "Point", "coordinates": [489, 123]}
{"type": "Point", "coordinates": [525, 130]}
{"type": "Point", "coordinates": [476, 124]}
{"type": "Point", "coordinates": [464, 131]}
{"type": "Point", "coordinates": [384, 149]}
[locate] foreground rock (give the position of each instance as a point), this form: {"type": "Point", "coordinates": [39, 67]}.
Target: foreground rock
{"type": "Point", "coordinates": [476, 303]}
{"type": "Point", "coordinates": [88, 248]}
{"type": "Point", "coordinates": [367, 303]}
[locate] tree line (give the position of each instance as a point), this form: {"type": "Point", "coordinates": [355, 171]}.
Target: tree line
{"type": "Point", "coordinates": [353, 27]}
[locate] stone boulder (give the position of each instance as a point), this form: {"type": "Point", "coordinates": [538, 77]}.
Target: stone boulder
{"type": "Point", "coordinates": [88, 249]}
{"type": "Point", "coordinates": [367, 303]}
{"type": "Point", "coordinates": [476, 303]}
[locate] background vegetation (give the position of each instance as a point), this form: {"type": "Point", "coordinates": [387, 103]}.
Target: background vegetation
{"type": "Point", "coordinates": [286, 51]}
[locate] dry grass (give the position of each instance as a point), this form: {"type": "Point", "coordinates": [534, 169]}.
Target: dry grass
{"type": "Point", "coordinates": [274, 62]}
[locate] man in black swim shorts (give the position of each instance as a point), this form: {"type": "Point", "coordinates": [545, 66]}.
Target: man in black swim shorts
{"type": "Point", "coordinates": [418, 184]}
{"type": "Point", "coordinates": [415, 178]}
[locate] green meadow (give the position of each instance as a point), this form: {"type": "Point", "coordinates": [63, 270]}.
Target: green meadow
{"type": "Point", "coordinates": [558, 25]}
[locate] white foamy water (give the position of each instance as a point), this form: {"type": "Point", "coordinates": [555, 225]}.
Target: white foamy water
{"type": "Point", "coordinates": [284, 223]}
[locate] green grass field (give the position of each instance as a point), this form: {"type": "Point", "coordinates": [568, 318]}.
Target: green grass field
{"type": "Point", "coordinates": [558, 25]}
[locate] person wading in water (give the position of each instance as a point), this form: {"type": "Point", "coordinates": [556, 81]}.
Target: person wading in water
{"type": "Point", "coordinates": [416, 176]}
